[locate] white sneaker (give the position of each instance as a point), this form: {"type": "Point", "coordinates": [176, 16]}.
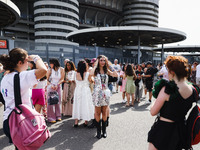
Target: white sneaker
{"type": "Point", "coordinates": [147, 102]}
{"type": "Point", "coordinates": [123, 101]}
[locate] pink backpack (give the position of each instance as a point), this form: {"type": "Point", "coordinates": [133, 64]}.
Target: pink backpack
{"type": "Point", "coordinates": [28, 128]}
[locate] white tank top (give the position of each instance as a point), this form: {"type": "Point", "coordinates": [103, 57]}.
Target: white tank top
{"type": "Point", "coordinates": [55, 76]}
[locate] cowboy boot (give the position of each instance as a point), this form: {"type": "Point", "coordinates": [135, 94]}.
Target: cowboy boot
{"type": "Point", "coordinates": [104, 123]}
{"type": "Point", "coordinates": [98, 125]}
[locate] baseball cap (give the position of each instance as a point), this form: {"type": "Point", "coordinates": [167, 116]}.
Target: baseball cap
{"type": "Point", "coordinates": [93, 60]}
{"type": "Point", "coordinates": [149, 63]}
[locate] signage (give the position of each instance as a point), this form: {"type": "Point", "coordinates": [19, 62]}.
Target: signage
{"type": "Point", "coordinates": [3, 44]}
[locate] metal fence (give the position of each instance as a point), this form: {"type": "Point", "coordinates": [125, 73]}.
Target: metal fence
{"type": "Point", "coordinates": [74, 53]}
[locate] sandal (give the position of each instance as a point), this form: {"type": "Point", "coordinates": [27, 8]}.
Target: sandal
{"type": "Point", "coordinates": [127, 105]}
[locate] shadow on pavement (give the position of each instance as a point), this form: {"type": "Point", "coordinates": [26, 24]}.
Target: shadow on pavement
{"type": "Point", "coordinates": [121, 108]}
{"type": "Point", "coordinates": [118, 108]}
{"type": "Point", "coordinates": [65, 136]}
{"type": "Point", "coordinates": [140, 107]}
{"type": "Point", "coordinates": [3, 140]}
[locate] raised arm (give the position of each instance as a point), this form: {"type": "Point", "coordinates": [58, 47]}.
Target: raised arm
{"type": "Point", "coordinates": [62, 76]}
{"type": "Point", "coordinates": [41, 69]}
{"type": "Point", "coordinates": [94, 68]}
{"type": "Point", "coordinates": [112, 72]}
{"type": "Point", "coordinates": [162, 97]}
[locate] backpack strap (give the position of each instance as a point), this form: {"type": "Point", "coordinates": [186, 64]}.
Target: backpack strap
{"type": "Point", "coordinates": [196, 95]}
{"type": "Point", "coordinates": [17, 92]}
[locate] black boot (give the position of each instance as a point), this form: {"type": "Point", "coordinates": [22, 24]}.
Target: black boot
{"type": "Point", "coordinates": [104, 123]}
{"type": "Point", "coordinates": [98, 125]}
{"type": "Point", "coordinates": [107, 122]}
{"type": "Point", "coordinates": [93, 124]}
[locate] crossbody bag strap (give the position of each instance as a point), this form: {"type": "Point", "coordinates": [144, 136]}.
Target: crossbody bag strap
{"type": "Point", "coordinates": [17, 92]}
{"type": "Point", "coordinates": [197, 95]}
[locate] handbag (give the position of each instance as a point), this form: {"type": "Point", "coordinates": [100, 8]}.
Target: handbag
{"type": "Point", "coordinates": [120, 82]}
{"type": "Point", "coordinates": [28, 128]}
{"type": "Point", "coordinates": [107, 93]}
{"type": "Point", "coordinates": [53, 98]}
{"type": "Point", "coordinates": [140, 84]}
{"type": "Point", "coordinates": [112, 79]}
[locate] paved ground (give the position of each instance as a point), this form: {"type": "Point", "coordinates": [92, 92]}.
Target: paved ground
{"type": "Point", "coordinates": [127, 130]}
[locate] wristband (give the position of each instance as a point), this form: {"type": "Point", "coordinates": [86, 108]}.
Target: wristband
{"type": "Point", "coordinates": [111, 68]}
{"type": "Point", "coordinates": [36, 58]}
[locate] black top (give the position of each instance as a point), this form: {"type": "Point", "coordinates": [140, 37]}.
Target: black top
{"type": "Point", "coordinates": [138, 73]}
{"type": "Point", "coordinates": [151, 71]}
{"type": "Point", "coordinates": [176, 108]}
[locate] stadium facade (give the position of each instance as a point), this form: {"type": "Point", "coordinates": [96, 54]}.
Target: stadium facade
{"type": "Point", "coordinates": [44, 25]}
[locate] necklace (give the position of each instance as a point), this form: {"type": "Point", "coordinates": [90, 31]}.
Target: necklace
{"type": "Point", "coordinates": [103, 78]}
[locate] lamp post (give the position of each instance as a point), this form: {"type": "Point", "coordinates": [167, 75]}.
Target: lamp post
{"type": "Point", "coordinates": [162, 53]}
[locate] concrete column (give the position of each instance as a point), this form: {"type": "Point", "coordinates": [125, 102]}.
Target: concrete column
{"type": "Point", "coordinates": [138, 49]}
{"type": "Point", "coordinates": [162, 53]}
{"type": "Point", "coordinates": [11, 44]}
{"type": "Point", "coordinates": [97, 51]}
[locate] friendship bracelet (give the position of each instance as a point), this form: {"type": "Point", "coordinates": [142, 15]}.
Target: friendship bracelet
{"type": "Point", "coordinates": [36, 58]}
{"type": "Point", "coordinates": [111, 68]}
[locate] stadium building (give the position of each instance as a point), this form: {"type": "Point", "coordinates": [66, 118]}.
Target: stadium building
{"type": "Point", "coordinates": [86, 28]}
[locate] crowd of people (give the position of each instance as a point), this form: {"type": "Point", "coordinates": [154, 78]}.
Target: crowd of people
{"type": "Point", "coordinates": [84, 92]}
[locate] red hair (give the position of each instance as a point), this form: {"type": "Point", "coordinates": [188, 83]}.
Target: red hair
{"type": "Point", "coordinates": [179, 65]}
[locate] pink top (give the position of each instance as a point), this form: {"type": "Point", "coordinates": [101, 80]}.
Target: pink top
{"type": "Point", "coordinates": [122, 88]}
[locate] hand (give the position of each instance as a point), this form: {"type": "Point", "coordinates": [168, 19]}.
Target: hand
{"type": "Point", "coordinates": [56, 87]}
{"type": "Point", "coordinates": [31, 57]}
{"type": "Point", "coordinates": [109, 63]}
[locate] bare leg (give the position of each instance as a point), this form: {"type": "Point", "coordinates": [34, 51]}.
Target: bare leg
{"type": "Point", "coordinates": [145, 92]}
{"type": "Point", "coordinates": [104, 110]}
{"type": "Point", "coordinates": [38, 107]}
{"type": "Point", "coordinates": [76, 121]}
{"type": "Point", "coordinates": [150, 95]}
{"type": "Point", "coordinates": [128, 99]}
{"type": "Point", "coordinates": [97, 113]}
{"type": "Point", "coordinates": [108, 111]}
{"type": "Point", "coordinates": [123, 95]}
{"type": "Point", "coordinates": [133, 99]}
{"type": "Point", "coordinates": [116, 87]}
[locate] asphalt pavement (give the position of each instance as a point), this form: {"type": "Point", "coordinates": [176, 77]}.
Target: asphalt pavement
{"type": "Point", "coordinates": [128, 129]}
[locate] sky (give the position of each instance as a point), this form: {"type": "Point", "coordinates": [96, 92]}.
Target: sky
{"type": "Point", "coordinates": [182, 15]}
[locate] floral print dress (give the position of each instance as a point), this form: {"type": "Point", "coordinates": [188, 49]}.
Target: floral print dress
{"type": "Point", "coordinates": [99, 96]}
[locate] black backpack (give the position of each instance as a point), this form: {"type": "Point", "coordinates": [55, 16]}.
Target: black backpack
{"type": "Point", "coordinates": [193, 125]}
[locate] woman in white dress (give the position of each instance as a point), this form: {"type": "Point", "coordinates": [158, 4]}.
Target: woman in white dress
{"type": "Point", "coordinates": [83, 107]}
